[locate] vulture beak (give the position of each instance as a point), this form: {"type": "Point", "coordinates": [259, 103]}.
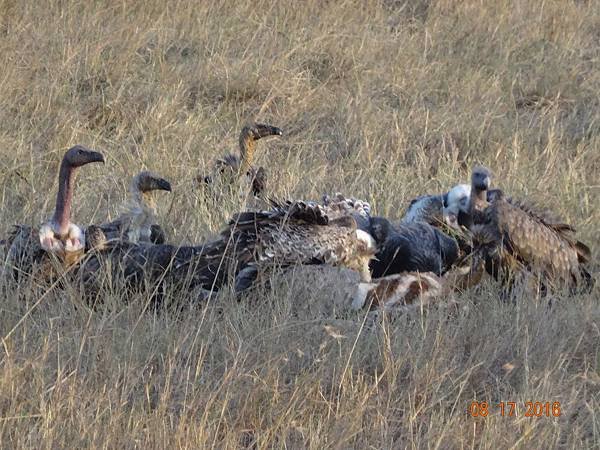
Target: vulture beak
{"type": "Point", "coordinates": [451, 219]}
{"type": "Point", "coordinates": [95, 157]}
{"type": "Point", "coordinates": [267, 130]}
{"type": "Point", "coordinates": [163, 185]}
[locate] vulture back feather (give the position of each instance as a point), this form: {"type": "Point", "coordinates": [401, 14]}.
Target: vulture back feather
{"type": "Point", "coordinates": [518, 237]}
{"type": "Point", "coordinates": [299, 233]}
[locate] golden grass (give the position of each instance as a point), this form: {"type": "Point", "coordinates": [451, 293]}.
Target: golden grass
{"type": "Point", "coordinates": [382, 100]}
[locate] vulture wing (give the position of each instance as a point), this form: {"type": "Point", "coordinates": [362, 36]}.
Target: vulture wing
{"type": "Point", "coordinates": [536, 240]}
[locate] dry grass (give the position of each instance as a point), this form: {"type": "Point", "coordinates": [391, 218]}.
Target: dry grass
{"type": "Point", "coordinates": [380, 99]}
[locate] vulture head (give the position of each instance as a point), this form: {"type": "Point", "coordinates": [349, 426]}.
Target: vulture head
{"type": "Point", "coordinates": [148, 181]}
{"type": "Point", "coordinates": [248, 137]}
{"type": "Point", "coordinates": [366, 250]}
{"type": "Point", "coordinates": [456, 203]}
{"type": "Point", "coordinates": [380, 229]}
{"type": "Point", "coordinates": [79, 155]}
{"type": "Point", "coordinates": [255, 131]}
{"type": "Point", "coordinates": [481, 178]}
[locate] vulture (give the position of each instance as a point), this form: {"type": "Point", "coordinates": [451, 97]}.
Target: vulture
{"type": "Point", "coordinates": [289, 233]}
{"type": "Point", "coordinates": [412, 245]}
{"type": "Point", "coordinates": [512, 236]}
{"type": "Point", "coordinates": [297, 233]}
{"type": "Point", "coordinates": [438, 209]}
{"type": "Point", "coordinates": [408, 247]}
{"type": "Point", "coordinates": [138, 222]}
{"type": "Point", "coordinates": [58, 235]}
{"type": "Point", "coordinates": [145, 264]}
{"type": "Point", "coordinates": [456, 205]}
{"type": "Point", "coordinates": [425, 208]}
{"type": "Point", "coordinates": [233, 167]}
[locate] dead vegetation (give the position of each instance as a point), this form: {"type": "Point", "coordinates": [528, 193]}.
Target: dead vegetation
{"type": "Point", "coordinates": [382, 100]}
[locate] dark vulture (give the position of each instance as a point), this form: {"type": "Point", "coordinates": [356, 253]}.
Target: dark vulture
{"type": "Point", "coordinates": [58, 235]}
{"type": "Point", "coordinates": [140, 265]}
{"type": "Point", "coordinates": [232, 167]}
{"type": "Point", "coordinates": [138, 222]}
{"type": "Point", "coordinates": [290, 233]}
{"type": "Point", "coordinates": [412, 245]}
{"type": "Point", "coordinates": [420, 242]}
{"type": "Point", "coordinates": [409, 247]}
{"type": "Point", "coordinates": [514, 236]}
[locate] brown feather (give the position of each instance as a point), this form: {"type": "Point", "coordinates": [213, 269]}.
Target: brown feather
{"type": "Point", "coordinates": [535, 240]}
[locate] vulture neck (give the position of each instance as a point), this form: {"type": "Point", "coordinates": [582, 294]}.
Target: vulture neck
{"type": "Point", "coordinates": [247, 147]}
{"type": "Point", "coordinates": [144, 200]}
{"type": "Point", "coordinates": [64, 198]}
{"type": "Point", "coordinates": [478, 199]}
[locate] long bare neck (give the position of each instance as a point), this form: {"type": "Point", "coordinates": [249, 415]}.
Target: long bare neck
{"type": "Point", "coordinates": [247, 147]}
{"type": "Point", "coordinates": [64, 197]}
{"type": "Point", "coordinates": [143, 200]}
{"type": "Point", "coordinates": [478, 199]}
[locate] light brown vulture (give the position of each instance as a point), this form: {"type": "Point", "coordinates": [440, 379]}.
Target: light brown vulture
{"type": "Point", "coordinates": [297, 233]}
{"type": "Point", "coordinates": [231, 168]}
{"type": "Point", "coordinates": [58, 235]}
{"type": "Point", "coordinates": [138, 222]}
{"type": "Point", "coordinates": [514, 236]}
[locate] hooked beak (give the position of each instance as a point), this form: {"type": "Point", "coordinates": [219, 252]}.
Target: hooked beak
{"type": "Point", "coordinates": [163, 185]}
{"type": "Point", "coordinates": [483, 185]}
{"type": "Point", "coordinates": [95, 157]}
{"type": "Point", "coordinates": [450, 218]}
{"type": "Point", "coordinates": [268, 130]}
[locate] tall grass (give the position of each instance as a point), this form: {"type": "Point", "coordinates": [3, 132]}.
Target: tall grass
{"type": "Point", "coordinates": [383, 100]}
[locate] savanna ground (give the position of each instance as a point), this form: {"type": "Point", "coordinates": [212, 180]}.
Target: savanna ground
{"type": "Point", "coordinates": [382, 100]}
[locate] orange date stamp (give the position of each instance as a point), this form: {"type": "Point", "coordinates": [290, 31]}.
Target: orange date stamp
{"type": "Point", "coordinates": [514, 409]}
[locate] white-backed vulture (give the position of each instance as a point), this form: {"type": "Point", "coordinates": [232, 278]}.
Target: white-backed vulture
{"type": "Point", "coordinates": [425, 208]}
{"type": "Point", "coordinates": [456, 204]}
{"type": "Point", "coordinates": [514, 236]}
{"type": "Point", "coordinates": [438, 209]}
{"type": "Point", "coordinates": [299, 233]}
{"type": "Point", "coordinates": [138, 221]}
{"type": "Point", "coordinates": [232, 167]}
{"type": "Point", "coordinates": [58, 235]}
